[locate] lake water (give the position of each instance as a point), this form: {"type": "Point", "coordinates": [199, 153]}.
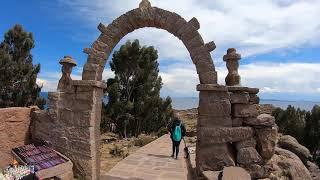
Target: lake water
{"type": "Point", "coordinates": [192, 102]}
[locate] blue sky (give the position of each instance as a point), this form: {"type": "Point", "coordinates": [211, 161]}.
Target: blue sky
{"type": "Point", "coordinates": [279, 40]}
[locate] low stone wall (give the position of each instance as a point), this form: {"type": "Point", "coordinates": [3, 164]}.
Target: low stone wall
{"type": "Point", "coordinates": [14, 131]}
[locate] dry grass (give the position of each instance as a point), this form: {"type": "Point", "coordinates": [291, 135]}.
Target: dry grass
{"type": "Point", "coordinates": [113, 149]}
{"type": "Point", "coordinates": [189, 118]}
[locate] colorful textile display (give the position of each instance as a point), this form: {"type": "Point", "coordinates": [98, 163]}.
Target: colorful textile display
{"type": "Point", "coordinates": [41, 157]}
{"type": "Point", "coordinates": [15, 172]}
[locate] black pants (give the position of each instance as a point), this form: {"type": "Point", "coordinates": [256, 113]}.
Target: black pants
{"type": "Point", "coordinates": [175, 147]}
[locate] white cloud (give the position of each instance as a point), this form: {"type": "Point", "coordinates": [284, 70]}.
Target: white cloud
{"type": "Point", "coordinates": [251, 26]}
{"type": "Point", "coordinates": [181, 79]}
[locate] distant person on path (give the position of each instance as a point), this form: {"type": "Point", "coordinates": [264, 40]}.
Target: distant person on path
{"type": "Point", "coordinates": [177, 131]}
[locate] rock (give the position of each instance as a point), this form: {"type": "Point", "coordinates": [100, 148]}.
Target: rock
{"type": "Point", "coordinates": [258, 171]}
{"type": "Point", "coordinates": [251, 142]}
{"type": "Point", "coordinates": [248, 155]}
{"type": "Point", "coordinates": [253, 90]}
{"type": "Point", "coordinates": [228, 173]}
{"type": "Point", "coordinates": [288, 165]}
{"type": "Point", "coordinates": [291, 144]}
{"type": "Point", "coordinates": [266, 108]}
{"type": "Point", "coordinates": [214, 157]}
{"type": "Point", "coordinates": [254, 99]}
{"type": "Point", "coordinates": [239, 98]}
{"type": "Point", "coordinates": [244, 110]}
{"type": "Point", "coordinates": [235, 173]}
{"type": "Point", "coordinates": [212, 175]}
{"type": "Point", "coordinates": [261, 120]}
{"type": "Point", "coordinates": [266, 142]}
{"type": "Point", "coordinates": [225, 134]}
{"type": "Point", "coordinates": [237, 122]}
{"type": "Point", "coordinates": [314, 170]}
{"type": "Point", "coordinates": [14, 131]}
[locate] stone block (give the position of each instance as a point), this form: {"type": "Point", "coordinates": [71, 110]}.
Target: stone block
{"type": "Point", "coordinates": [82, 119]}
{"type": "Point", "coordinates": [254, 99]}
{"type": "Point", "coordinates": [244, 110]}
{"type": "Point", "coordinates": [239, 98]}
{"type": "Point", "coordinates": [80, 146]}
{"type": "Point", "coordinates": [258, 171]}
{"type": "Point", "coordinates": [266, 108]}
{"type": "Point", "coordinates": [195, 42]}
{"type": "Point", "coordinates": [237, 89]}
{"type": "Point", "coordinates": [124, 23]}
{"type": "Point", "coordinates": [214, 121]}
{"type": "Point", "coordinates": [237, 122]}
{"type": "Point", "coordinates": [263, 120]}
{"type": "Point", "coordinates": [253, 90]}
{"type": "Point", "coordinates": [212, 92]}
{"type": "Point", "coordinates": [84, 166]}
{"type": "Point", "coordinates": [235, 173]}
{"type": "Point", "coordinates": [251, 142]}
{"type": "Point", "coordinates": [14, 131]}
{"type": "Point", "coordinates": [214, 157]}
{"type": "Point", "coordinates": [220, 108]}
{"type": "Point", "coordinates": [101, 46]}
{"type": "Point", "coordinates": [224, 134]}
{"type": "Point", "coordinates": [171, 20]}
{"type": "Point", "coordinates": [198, 52]}
{"type": "Point", "coordinates": [212, 175]}
{"type": "Point", "coordinates": [92, 72]}
{"type": "Point", "coordinates": [209, 77]}
{"type": "Point", "coordinates": [248, 155]}
{"type": "Point", "coordinates": [204, 65]}
{"type": "Point", "coordinates": [189, 35]}
{"type": "Point", "coordinates": [108, 40]}
{"type": "Point", "coordinates": [266, 142]}
{"type": "Point", "coordinates": [178, 25]}
{"type": "Point", "coordinates": [202, 57]}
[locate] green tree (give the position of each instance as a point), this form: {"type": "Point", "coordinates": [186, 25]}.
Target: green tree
{"type": "Point", "coordinates": [291, 121]}
{"type": "Point", "coordinates": [17, 73]}
{"type": "Point", "coordinates": [134, 102]}
{"type": "Point", "coordinates": [304, 126]}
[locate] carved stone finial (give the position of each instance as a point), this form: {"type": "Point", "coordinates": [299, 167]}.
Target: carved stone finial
{"type": "Point", "coordinates": [144, 4]}
{"type": "Point", "coordinates": [65, 83]}
{"type": "Point", "coordinates": [232, 58]}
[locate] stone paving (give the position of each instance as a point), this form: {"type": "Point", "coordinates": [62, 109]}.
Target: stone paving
{"type": "Point", "coordinates": [151, 162]}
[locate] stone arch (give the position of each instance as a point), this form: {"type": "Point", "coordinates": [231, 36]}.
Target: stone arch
{"type": "Point", "coordinates": [75, 111]}
{"type": "Point", "coordinates": [147, 16]}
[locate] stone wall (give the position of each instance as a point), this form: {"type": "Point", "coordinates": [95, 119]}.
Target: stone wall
{"type": "Point", "coordinates": [233, 132]}
{"type": "Point", "coordinates": [14, 131]}
{"type": "Point", "coordinates": [72, 125]}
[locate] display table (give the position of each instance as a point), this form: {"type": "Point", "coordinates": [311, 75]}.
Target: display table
{"type": "Point", "coordinates": [47, 162]}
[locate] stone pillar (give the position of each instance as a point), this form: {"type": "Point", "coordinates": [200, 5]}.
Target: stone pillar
{"type": "Point", "coordinates": [72, 126]}
{"type": "Point", "coordinates": [214, 112]}
{"type": "Point", "coordinates": [232, 58]}
{"type": "Point", "coordinates": [85, 131]}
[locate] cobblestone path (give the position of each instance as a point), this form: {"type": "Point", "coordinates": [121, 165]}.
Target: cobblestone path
{"type": "Point", "coordinates": [151, 162]}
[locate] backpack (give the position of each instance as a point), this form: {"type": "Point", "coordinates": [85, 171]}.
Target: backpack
{"type": "Point", "coordinates": [176, 136]}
